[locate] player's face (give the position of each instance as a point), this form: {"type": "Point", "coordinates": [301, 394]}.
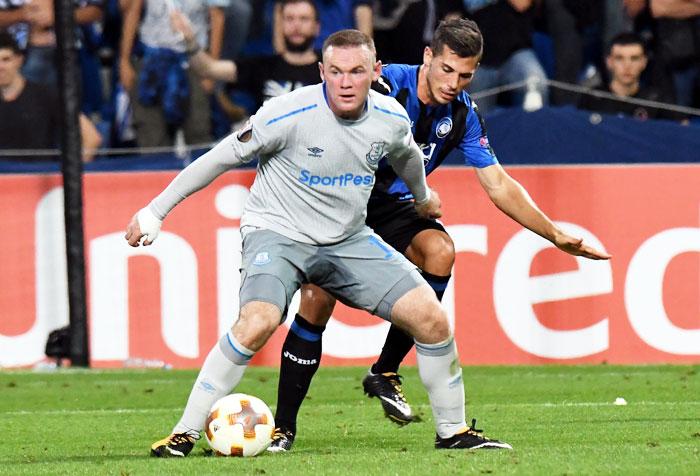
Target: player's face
{"type": "Point", "coordinates": [447, 74]}
{"type": "Point", "coordinates": [10, 63]}
{"type": "Point", "coordinates": [299, 26]}
{"type": "Point", "coordinates": [348, 73]}
{"type": "Point", "coordinates": [626, 63]}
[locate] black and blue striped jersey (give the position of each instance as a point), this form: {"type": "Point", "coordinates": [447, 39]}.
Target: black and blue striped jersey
{"type": "Point", "coordinates": [454, 128]}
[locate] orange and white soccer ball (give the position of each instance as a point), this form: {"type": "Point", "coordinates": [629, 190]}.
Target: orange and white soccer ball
{"type": "Point", "coordinates": [239, 425]}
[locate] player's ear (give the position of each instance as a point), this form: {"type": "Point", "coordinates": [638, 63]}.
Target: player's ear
{"type": "Point", "coordinates": [427, 56]}
{"type": "Point", "coordinates": [320, 70]}
{"type": "Point", "coordinates": [377, 70]}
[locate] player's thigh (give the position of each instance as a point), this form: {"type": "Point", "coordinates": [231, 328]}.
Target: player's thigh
{"type": "Point", "coordinates": [366, 273]}
{"type": "Point", "coordinates": [271, 268]}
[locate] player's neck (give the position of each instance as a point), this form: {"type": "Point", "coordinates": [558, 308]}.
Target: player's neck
{"type": "Point", "coordinates": [11, 91]}
{"type": "Point", "coordinates": [300, 58]}
{"type": "Point", "coordinates": [625, 90]}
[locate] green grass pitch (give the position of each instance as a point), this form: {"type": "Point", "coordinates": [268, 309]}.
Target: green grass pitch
{"type": "Point", "coordinates": [560, 420]}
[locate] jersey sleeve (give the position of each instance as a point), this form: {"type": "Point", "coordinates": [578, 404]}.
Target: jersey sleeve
{"type": "Point", "coordinates": [406, 158]}
{"type": "Point", "coordinates": [263, 134]}
{"type": "Point", "coordinates": [475, 146]}
{"type": "Point", "coordinates": [259, 137]}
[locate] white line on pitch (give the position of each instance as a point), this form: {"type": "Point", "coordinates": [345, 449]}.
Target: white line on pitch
{"type": "Point", "coordinates": [108, 411]}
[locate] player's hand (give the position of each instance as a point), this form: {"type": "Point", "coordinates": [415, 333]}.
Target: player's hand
{"type": "Point", "coordinates": [143, 224]}
{"type": "Point", "coordinates": [431, 208]}
{"type": "Point", "coordinates": [576, 247]}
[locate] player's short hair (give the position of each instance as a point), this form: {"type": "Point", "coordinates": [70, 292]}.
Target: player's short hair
{"type": "Point", "coordinates": [626, 39]}
{"type": "Point", "coordinates": [349, 38]}
{"type": "Point", "coordinates": [7, 41]}
{"type": "Point", "coordinates": [460, 35]}
{"type": "Point", "coordinates": [284, 3]}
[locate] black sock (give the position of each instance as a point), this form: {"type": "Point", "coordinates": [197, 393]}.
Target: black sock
{"type": "Point", "coordinates": [301, 356]}
{"type": "Point", "coordinates": [398, 344]}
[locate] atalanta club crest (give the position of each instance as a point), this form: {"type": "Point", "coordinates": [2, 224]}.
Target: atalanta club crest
{"type": "Point", "coordinates": [376, 152]}
{"type": "Point", "coordinates": [443, 127]}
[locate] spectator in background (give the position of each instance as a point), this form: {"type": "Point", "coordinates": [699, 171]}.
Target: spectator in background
{"type": "Point", "coordinates": [29, 112]}
{"type": "Point", "coordinates": [403, 28]}
{"type": "Point", "coordinates": [626, 60]}
{"type": "Point", "coordinates": [678, 45]}
{"type": "Point", "coordinates": [572, 24]}
{"type": "Point", "coordinates": [13, 19]}
{"type": "Point", "coordinates": [165, 94]}
{"type": "Point", "coordinates": [333, 15]}
{"type": "Point", "coordinates": [266, 76]}
{"type": "Point", "coordinates": [507, 27]}
{"type": "Point", "coordinates": [38, 16]}
{"type": "Point", "coordinates": [32, 24]}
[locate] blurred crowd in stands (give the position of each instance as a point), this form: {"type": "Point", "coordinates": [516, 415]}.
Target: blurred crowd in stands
{"type": "Point", "coordinates": [164, 73]}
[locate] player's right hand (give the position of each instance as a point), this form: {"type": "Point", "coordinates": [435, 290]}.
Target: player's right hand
{"type": "Point", "coordinates": [142, 225]}
{"type": "Point", "coordinates": [431, 208]}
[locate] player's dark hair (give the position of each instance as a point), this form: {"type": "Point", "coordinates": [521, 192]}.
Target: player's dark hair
{"type": "Point", "coordinates": [349, 38]}
{"type": "Point", "coordinates": [460, 35]}
{"type": "Point", "coordinates": [284, 3]}
{"type": "Point", "coordinates": [626, 39]}
{"type": "Point", "coordinates": [7, 41]}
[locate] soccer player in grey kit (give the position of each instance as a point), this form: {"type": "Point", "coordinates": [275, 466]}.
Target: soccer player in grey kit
{"type": "Point", "coordinates": [304, 222]}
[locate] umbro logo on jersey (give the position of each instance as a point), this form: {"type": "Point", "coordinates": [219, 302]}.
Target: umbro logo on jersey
{"type": "Point", "coordinates": [314, 151]}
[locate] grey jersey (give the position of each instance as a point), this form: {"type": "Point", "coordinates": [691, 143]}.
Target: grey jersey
{"type": "Point", "coordinates": [315, 171]}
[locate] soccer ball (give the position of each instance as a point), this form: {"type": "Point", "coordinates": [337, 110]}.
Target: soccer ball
{"type": "Point", "coordinates": [239, 425]}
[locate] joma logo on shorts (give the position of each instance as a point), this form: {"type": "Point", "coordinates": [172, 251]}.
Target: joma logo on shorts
{"type": "Point", "coordinates": [296, 359]}
{"type": "Point", "coordinates": [342, 180]}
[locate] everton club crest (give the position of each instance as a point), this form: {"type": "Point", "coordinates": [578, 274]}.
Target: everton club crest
{"type": "Point", "coordinates": [376, 152]}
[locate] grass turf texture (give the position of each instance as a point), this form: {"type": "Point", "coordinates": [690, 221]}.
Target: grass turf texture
{"type": "Point", "coordinates": [560, 420]}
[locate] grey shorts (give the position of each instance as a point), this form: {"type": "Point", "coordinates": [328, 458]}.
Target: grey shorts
{"type": "Point", "coordinates": [361, 271]}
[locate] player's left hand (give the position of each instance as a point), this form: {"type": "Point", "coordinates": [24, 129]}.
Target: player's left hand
{"type": "Point", "coordinates": [431, 208]}
{"type": "Point", "coordinates": [576, 247]}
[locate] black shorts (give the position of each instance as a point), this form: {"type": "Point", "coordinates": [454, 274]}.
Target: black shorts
{"type": "Point", "coordinates": [397, 222]}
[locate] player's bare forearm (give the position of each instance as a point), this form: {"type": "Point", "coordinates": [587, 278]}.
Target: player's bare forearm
{"type": "Point", "coordinates": [512, 199]}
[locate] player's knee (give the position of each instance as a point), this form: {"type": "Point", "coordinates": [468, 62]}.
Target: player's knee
{"type": "Point", "coordinates": [434, 326]}
{"type": "Point", "coordinates": [440, 254]}
{"type": "Point", "coordinates": [256, 324]}
{"type": "Point", "coordinates": [316, 305]}
{"type": "Point", "coordinates": [435, 252]}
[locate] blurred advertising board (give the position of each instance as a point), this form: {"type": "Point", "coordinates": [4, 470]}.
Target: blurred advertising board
{"type": "Point", "coordinates": [513, 299]}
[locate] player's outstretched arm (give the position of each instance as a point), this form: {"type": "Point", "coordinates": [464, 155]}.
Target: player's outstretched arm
{"type": "Point", "coordinates": [202, 63]}
{"type": "Point", "coordinates": [512, 199]}
{"type": "Point", "coordinates": [200, 173]}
